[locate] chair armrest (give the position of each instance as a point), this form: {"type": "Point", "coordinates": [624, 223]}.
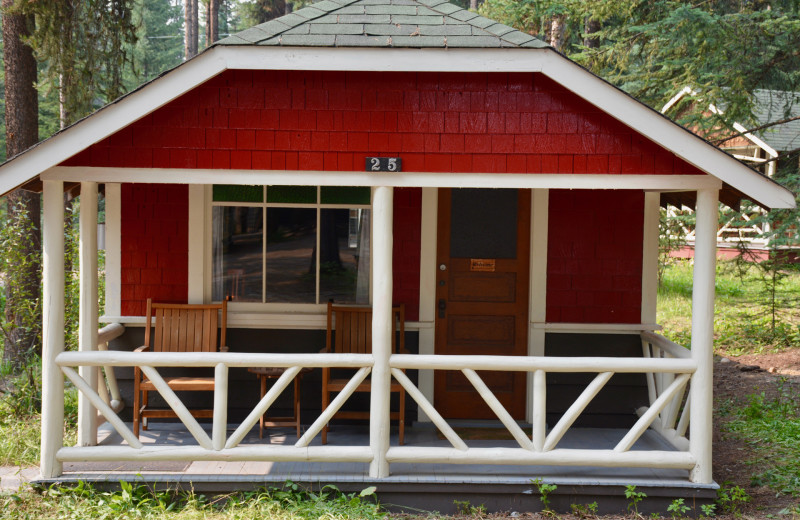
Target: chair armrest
{"type": "Point", "coordinates": [142, 348]}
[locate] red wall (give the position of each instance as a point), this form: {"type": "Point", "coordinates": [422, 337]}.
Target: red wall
{"type": "Point", "coordinates": [155, 245]}
{"type": "Point", "coordinates": [330, 121]}
{"type": "Point", "coordinates": [437, 122]}
{"type": "Point", "coordinates": [594, 257]}
{"type": "Point", "coordinates": [406, 250]}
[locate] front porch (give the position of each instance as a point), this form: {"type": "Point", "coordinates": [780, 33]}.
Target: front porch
{"type": "Point", "coordinates": [430, 487]}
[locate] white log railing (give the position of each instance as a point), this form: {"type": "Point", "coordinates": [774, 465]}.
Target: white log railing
{"type": "Point", "coordinates": [666, 392]}
{"type": "Point", "coordinates": [667, 379]}
{"type": "Point", "coordinates": [107, 386]}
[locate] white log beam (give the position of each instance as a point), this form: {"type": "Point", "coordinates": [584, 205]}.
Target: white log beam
{"type": "Point", "coordinates": [397, 180]}
{"type": "Point", "coordinates": [259, 452]}
{"type": "Point", "coordinates": [105, 335]}
{"type": "Point", "coordinates": [262, 407]}
{"type": "Point", "coordinates": [382, 329]}
{"type": "Point", "coordinates": [548, 364]}
{"type": "Point", "coordinates": [650, 415]}
{"type": "Point", "coordinates": [113, 197]}
{"type": "Point", "coordinates": [562, 457]}
{"type": "Point", "coordinates": [110, 415]}
{"type": "Point", "coordinates": [572, 413]}
{"type": "Point", "coordinates": [425, 405]}
{"type": "Point", "coordinates": [332, 408]}
{"type": "Point", "coordinates": [87, 308]}
{"type": "Point", "coordinates": [702, 388]}
{"type": "Point", "coordinates": [220, 420]}
{"type": "Point", "coordinates": [52, 327]}
{"type": "Point", "coordinates": [178, 407]}
{"type": "Point", "coordinates": [539, 409]}
{"type": "Point", "coordinates": [118, 358]}
{"type": "Point", "coordinates": [498, 409]}
{"type": "Point", "coordinates": [652, 216]}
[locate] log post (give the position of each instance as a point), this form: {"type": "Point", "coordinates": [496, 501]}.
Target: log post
{"type": "Point", "coordinates": [87, 312]}
{"type": "Point", "coordinates": [382, 329]}
{"type": "Point", "coordinates": [702, 385]}
{"type": "Point", "coordinates": [52, 327]}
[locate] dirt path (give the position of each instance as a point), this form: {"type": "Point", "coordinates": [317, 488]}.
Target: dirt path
{"type": "Point", "coordinates": [734, 381]}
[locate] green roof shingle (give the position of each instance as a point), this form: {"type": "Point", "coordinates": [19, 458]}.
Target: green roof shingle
{"type": "Point", "coordinates": [384, 23]}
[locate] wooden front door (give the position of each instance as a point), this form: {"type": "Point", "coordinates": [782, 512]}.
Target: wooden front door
{"type": "Point", "coordinates": [482, 288]}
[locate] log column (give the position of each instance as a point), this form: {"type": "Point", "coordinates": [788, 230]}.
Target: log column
{"type": "Point", "coordinates": [52, 327]}
{"type": "Point", "coordinates": [87, 312]}
{"type": "Point", "coordinates": [702, 386]}
{"type": "Point", "coordinates": [382, 329]}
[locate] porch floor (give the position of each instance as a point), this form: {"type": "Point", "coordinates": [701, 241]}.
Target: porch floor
{"type": "Point", "coordinates": [424, 486]}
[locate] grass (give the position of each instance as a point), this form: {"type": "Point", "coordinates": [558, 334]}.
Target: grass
{"type": "Point", "coordinates": [743, 321]}
{"type": "Point", "coordinates": [140, 502]}
{"type": "Point", "coordinates": [20, 427]}
{"type": "Point", "coordinates": [771, 427]}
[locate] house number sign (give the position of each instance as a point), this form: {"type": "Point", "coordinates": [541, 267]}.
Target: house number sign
{"type": "Point", "coordinates": [384, 164]}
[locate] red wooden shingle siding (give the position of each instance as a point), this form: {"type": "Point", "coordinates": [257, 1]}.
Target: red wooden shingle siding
{"type": "Point", "coordinates": [155, 245]}
{"type": "Point", "coordinates": [594, 256]}
{"type": "Point", "coordinates": [437, 122]}
{"type": "Point", "coordinates": [406, 250]}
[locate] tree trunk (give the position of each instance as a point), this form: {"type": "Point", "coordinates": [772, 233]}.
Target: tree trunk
{"type": "Point", "coordinates": [22, 132]}
{"type": "Point", "coordinates": [190, 42]}
{"type": "Point", "coordinates": [212, 22]}
{"type": "Point", "coordinates": [590, 28]}
{"type": "Point", "coordinates": [558, 33]}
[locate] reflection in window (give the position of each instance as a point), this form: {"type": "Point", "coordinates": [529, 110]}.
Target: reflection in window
{"type": "Point", "coordinates": [291, 245]}
{"type": "Point", "coordinates": [238, 253]}
{"type": "Point", "coordinates": [344, 255]}
{"type": "Point", "coordinates": [303, 245]}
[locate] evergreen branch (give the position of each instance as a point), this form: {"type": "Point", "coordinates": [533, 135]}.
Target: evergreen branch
{"type": "Point", "coordinates": [756, 129]}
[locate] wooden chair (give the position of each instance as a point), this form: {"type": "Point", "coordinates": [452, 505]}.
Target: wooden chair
{"type": "Point", "coordinates": [350, 332]}
{"type": "Point", "coordinates": [178, 328]}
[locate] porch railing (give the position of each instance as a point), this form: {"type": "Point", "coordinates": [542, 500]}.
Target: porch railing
{"type": "Point", "coordinates": [667, 367]}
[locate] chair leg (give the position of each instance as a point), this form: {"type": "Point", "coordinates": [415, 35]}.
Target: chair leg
{"type": "Point", "coordinates": [144, 405]}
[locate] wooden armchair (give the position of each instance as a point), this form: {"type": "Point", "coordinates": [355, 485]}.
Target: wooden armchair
{"type": "Point", "coordinates": [350, 332]}
{"type": "Point", "coordinates": [178, 328]}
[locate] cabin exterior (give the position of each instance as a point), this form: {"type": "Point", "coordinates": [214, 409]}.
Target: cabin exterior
{"type": "Point", "coordinates": [514, 215]}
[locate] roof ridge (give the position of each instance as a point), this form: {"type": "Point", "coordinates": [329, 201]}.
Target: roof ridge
{"type": "Point", "coordinates": [278, 26]}
{"type": "Point", "coordinates": [383, 23]}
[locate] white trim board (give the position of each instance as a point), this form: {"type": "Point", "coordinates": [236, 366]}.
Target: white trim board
{"type": "Point", "coordinates": [397, 180]}
{"type": "Point", "coordinates": [274, 320]}
{"type": "Point", "coordinates": [183, 78]}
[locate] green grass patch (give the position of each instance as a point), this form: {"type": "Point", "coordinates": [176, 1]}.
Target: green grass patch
{"type": "Point", "coordinates": [750, 317]}
{"type": "Point", "coordinates": [21, 425]}
{"type": "Point", "coordinates": [141, 502]}
{"type": "Point", "coordinates": [771, 426]}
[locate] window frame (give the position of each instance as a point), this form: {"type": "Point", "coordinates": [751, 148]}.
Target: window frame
{"type": "Point", "coordinates": [321, 307]}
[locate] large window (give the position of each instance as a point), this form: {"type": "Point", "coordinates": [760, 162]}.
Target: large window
{"type": "Point", "coordinates": [291, 244]}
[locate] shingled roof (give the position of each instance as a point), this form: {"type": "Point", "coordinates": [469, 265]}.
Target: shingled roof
{"type": "Point", "coordinates": [776, 105]}
{"type": "Point", "coordinates": [384, 23]}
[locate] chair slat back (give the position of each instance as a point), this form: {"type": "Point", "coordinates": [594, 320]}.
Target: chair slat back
{"type": "Point", "coordinates": [185, 327]}
{"type": "Point", "coordinates": [350, 329]}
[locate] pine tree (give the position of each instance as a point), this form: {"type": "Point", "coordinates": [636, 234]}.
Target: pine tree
{"type": "Point", "coordinates": [21, 235]}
